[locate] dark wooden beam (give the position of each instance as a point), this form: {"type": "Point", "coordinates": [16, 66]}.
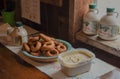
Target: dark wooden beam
{"type": "Point", "coordinates": [53, 2]}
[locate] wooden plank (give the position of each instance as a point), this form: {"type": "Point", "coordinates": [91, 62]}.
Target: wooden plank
{"type": "Point", "coordinates": [112, 47]}
{"type": "Point", "coordinates": [53, 2]}
{"type": "Point", "coordinates": [76, 12]}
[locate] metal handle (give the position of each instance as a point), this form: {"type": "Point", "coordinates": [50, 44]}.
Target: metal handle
{"type": "Point", "coordinates": [117, 14]}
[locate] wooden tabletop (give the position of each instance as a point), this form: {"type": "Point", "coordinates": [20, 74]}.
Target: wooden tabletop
{"type": "Point", "coordinates": [13, 67]}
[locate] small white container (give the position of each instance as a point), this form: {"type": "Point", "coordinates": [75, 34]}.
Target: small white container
{"type": "Point", "coordinates": [76, 61]}
{"type": "Point", "coordinates": [19, 34]}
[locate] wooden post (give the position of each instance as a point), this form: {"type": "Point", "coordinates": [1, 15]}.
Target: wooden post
{"type": "Point", "coordinates": [77, 9]}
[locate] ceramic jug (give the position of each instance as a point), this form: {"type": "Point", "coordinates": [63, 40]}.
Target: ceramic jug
{"type": "Point", "coordinates": [19, 34]}
{"type": "Point", "coordinates": [90, 21]}
{"type": "Point", "coordinates": [108, 25]}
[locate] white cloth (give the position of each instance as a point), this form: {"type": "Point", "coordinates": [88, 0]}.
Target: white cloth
{"type": "Point", "coordinates": [98, 67]}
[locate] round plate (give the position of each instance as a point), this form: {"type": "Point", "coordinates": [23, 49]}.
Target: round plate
{"type": "Point", "coordinates": [47, 59]}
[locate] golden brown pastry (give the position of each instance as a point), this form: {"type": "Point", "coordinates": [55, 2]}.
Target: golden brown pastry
{"type": "Point", "coordinates": [44, 45]}
{"type": "Point", "coordinates": [38, 53]}
{"type": "Point", "coordinates": [61, 48]}
{"type": "Point", "coordinates": [53, 52]}
{"type": "Point", "coordinates": [45, 37]}
{"type": "Point", "coordinates": [26, 47]}
{"type": "Point", "coordinates": [35, 47]}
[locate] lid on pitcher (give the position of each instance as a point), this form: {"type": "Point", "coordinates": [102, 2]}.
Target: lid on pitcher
{"type": "Point", "coordinates": [92, 6]}
{"type": "Point", "coordinates": [110, 9]}
{"type": "Point", "coordinates": [19, 23]}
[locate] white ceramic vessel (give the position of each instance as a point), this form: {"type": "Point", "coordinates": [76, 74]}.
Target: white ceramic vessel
{"type": "Point", "coordinates": [18, 35]}
{"type": "Point", "coordinates": [108, 25]}
{"type": "Point", "coordinates": [90, 21]}
{"type": "Point", "coordinates": [22, 32]}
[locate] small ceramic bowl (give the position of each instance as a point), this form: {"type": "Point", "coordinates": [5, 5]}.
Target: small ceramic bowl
{"type": "Point", "coordinates": [47, 59]}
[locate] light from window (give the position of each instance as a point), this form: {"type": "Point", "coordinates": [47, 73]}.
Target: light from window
{"type": "Point", "coordinates": [103, 4]}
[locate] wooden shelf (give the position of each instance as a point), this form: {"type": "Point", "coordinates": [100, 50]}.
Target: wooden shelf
{"type": "Point", "coordinates": [112, 47]}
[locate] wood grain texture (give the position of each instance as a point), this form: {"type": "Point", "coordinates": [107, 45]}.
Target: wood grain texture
{"type": "Point", "coordinates": [13, 67]}
{"type": "Point", "coordinates": [62, 22]}
{"type": "Point", "coordinates": [112, 47]}
{"type": "Point", "coordinates": [53, 2]}
{"type": "Point", "coordinates": [76, 12]}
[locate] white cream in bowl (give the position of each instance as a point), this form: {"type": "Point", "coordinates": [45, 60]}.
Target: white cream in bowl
{"type": "Point", "coordinates": [76, 61]}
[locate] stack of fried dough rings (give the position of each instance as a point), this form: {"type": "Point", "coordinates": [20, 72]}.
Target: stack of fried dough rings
{"type": "Point", "coordinates": [43, 45]}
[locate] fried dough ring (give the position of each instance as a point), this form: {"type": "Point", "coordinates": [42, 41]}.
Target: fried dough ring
{"type": "Point", "coordinates": [53, 52]}
{"type": "Point", "coordinates": [45, 37]}
{"type": "Point", "coordinates": [35, 47]}
{"type": "Point", "coordinates": [38, 53]}
{"type": "Point", "coordinates": [61, 48]}
{"type": "Point", "coordinates": [48, 46]}
{"type": "Point", "coordinates": [26, 47]}
{"type": "Point", "coordinates": [56, 42]}
{"type": "Point", "coordinates": [35, 38]}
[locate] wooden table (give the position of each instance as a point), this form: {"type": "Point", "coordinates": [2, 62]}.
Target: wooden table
{"type": "Point", "coordinates": [13, 67]}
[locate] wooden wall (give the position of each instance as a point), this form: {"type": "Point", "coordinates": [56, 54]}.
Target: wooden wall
{"type": "Point", "coordinates": [61, 20]}
{"type": "Point", "coordinates": [54, 19]}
